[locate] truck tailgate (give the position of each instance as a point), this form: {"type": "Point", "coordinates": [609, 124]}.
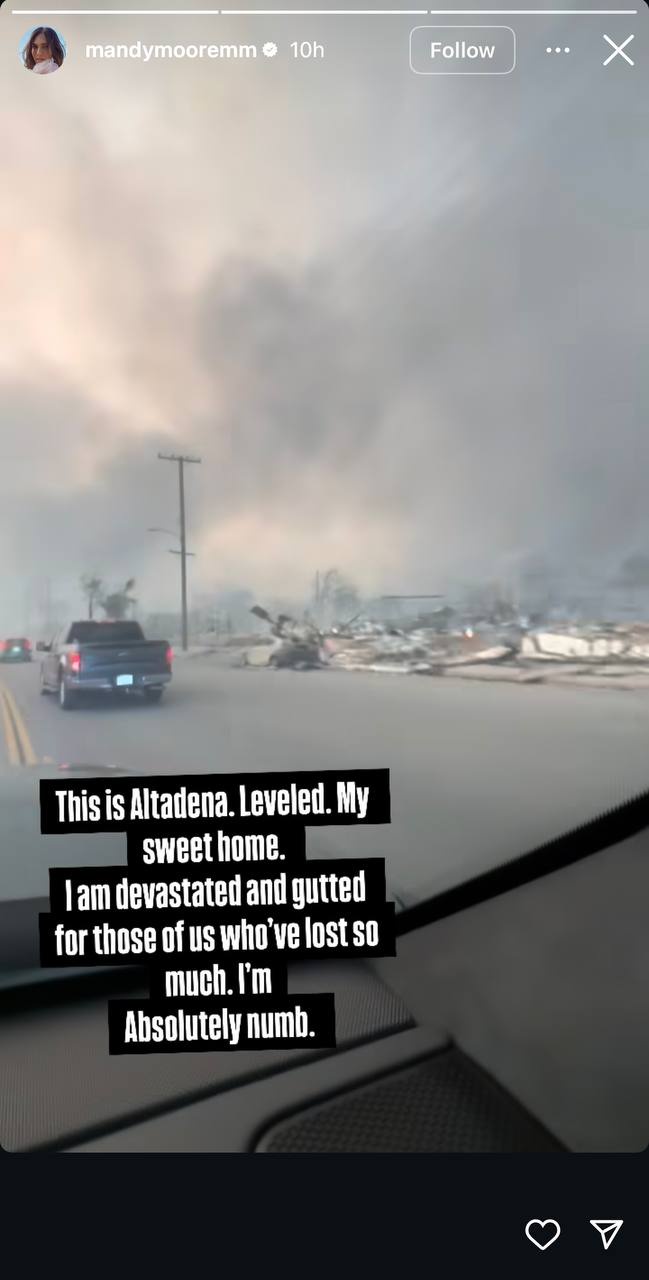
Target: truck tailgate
{"type": "Point", "coordinates": [136, 659]}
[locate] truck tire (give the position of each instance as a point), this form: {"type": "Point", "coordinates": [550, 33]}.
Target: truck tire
{"type": "Point", "coordinates": [153, 695]}
{"type": "Point", "coordinates": [43, 686]}
{"type": "Point", "coordinates": [67, 697]}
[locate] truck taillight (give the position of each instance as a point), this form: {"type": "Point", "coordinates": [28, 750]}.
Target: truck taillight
{"type": "Point", "coordinates": [170, 656]}
{"type": "Point", "coordinates": [74, 662]}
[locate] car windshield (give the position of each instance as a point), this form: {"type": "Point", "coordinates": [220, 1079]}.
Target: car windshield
{"type": "Point", "coordinates": [328, 373]}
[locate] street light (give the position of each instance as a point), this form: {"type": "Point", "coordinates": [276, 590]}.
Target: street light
{"type": "Point", "coordinates": [181, 551]}
{"type": "Point", "coordinates": [171, 534]}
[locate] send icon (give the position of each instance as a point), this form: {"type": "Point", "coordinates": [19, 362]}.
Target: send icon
{"type": "Point", "coordinates": [608, 1228]}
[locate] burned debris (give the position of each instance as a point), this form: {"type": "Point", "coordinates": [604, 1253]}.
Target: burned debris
{"type": "Point", "coordinates": [445, 642]}
{"type": "Point", "coordinates": [297, 645]}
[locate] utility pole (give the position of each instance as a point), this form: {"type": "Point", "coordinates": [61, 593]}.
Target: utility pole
{"type": "Point", "coordinates": [181, 459]}
{"type": "Point", "coordinates": [47, 602]}
{"type": "Point", "coordinates": [27, 610]}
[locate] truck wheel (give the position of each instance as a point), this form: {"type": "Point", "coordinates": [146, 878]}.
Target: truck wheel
{"type": "Point", "coordinates": [44, 688]}
{"type": "Point", "coordinates": [153, 695]}
{"type": "Point", "coordinates": [67, 699]}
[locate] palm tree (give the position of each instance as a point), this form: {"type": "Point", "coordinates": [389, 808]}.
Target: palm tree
{"type": "Point", "coordinates": [93, 589]}
{"type": "Point", "coordinates": [117, 604]}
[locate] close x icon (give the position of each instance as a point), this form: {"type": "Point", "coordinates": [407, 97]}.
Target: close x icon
{"type": "Point", "coordinates": [619, 50]}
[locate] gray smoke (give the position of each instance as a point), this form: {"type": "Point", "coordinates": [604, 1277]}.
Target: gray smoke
{"type": "Point", "coordinates": [407, 342]}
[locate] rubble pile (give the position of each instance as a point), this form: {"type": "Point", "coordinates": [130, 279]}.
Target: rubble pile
{"type": "Point", "coordinates": [421, 651]}
{"type": "Point", "coordinates": [294, 644]}
{"type": "Point", "coordinates": [605, 656]}
{"type": "Point", "coordinates": [590, 644]}
{"type": "Point", "coordinates": [365, 645]}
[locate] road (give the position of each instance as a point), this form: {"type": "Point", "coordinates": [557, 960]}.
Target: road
{"type": "Point", "coordinates": [479, 772]}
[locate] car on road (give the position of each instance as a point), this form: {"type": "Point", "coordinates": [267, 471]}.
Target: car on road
{"type": "Point", "coordinates": [16, 649]}
{"type": "Point", "coordinates": [104, 657]}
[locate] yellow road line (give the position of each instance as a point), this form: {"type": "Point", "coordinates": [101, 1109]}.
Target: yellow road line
{"type": "Point", "coordinates": [19, 741]}
{"type": "Point", "coordinates": [8, 728]}
{"type": "Point", "coordinates": [29, 755]}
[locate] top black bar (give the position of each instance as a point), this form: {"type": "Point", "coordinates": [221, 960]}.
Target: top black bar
{"type": "Point", "coordinates": [243, 800]}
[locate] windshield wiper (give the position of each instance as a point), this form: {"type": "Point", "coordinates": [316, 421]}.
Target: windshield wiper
{"type": "Point", "coordinates": [603, 832]}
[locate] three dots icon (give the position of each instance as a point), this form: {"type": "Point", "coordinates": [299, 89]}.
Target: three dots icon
{"type": "Point", "coordinates": [557, 50]}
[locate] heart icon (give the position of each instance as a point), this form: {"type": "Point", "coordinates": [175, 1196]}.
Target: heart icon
{"type": "Point", "coordinates": [542, 1234]}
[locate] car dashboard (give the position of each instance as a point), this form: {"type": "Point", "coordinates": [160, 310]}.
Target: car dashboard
{"type": "Point", "coordinates": [518, 1024]}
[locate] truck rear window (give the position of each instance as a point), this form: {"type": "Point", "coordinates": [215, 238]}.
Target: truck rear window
{"type": "Point", "coordinates": [105, 633]}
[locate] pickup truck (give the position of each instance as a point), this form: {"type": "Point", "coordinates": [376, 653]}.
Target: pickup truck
{"type": "Point", "coordinates": [104, 657]}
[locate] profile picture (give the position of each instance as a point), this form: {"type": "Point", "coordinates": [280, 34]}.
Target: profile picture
{"type": "Point", "coordinates": [42, 50]}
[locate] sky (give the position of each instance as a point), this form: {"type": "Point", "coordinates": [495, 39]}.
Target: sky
{"type": "Point", "coordinates": [401, 319]}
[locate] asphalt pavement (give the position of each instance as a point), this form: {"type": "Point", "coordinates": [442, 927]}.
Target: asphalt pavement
{"type": "Point", "coordinates": [479, 772]}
